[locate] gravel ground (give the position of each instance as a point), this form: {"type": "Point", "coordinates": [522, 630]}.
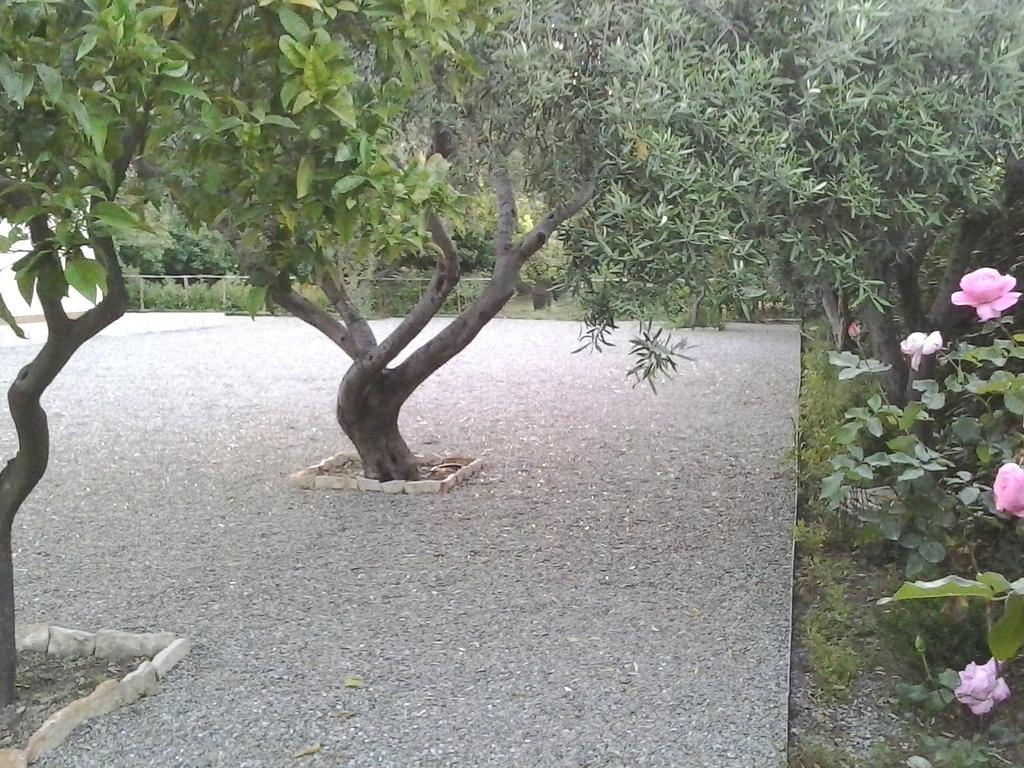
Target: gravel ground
{"type": "Point", "coordinates": [614, 590]}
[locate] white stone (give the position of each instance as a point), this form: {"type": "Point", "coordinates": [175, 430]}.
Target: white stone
{"type": "Point", "coordinates": [470, 469]}
{"type": "Point", "coordinates": [334, 483]}
{"type": "Point", "coordinates": [71, 642]}
{"type": "Point", "coordinates": [142, 681]}
{"type": "Point", "coordinates": [32, 637]}
{"type": "Point", "coordinates": [304, 480]}
{"type": "Point", "coordinates": [393, 486]}
{"type": "Point", "coordinates": [170, 656]}
{"type": "Point", "coordinates": [112, 644]}
{"type": "Point", "coordinates": [106, 698]}
{"type": "Point", "coordinates": [367, 484]}
{"type": "Point", "coordinates": [415, 487]}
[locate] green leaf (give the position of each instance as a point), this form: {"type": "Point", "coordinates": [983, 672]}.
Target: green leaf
{"type": "Point", "coordinates": [85, 276]}
{"type": "Point", "coordinates": [315, 74]}
{"type": "Point", "coordinates": [348, 184]}
{"type": "Point", "coordinates": [910, 473]}
{"type": "Point", "coordinates": [1014, 402]}
{"type": "Point", "coordinates": [187, 90]}
{"type": "Point", "coordinates": [997, 581]}
{"type": "Point", "coordinates": [17, 86]}
{"type": "Point", "coordinates": [255, 299]}
{"type": "Point", "coordinates": [949, 679]}
{"type": "Point", "coordinates": [353, 681]}
{"type": "Point", "coordinates": [53, 82]}
{"type": "Point", "coordinates": [314, 4]}
{"type": "Point", "coordinates": [304, 176]}
{"type": "Point", "coordinates": [1007, 635]}
{"type": "Point", "coordinates": [26, 280]}
{"type": "Point", "coordinates": [932, 551]}
{"type": "Point", "coordinates": [950, 586]}
{"type": "Point", "coordinates": [87, 44]}
{"type": "Point", "coordinates": [343, 108]}
{"type": "Point", "coordinates": [293, 24]}
{"type": "Point", "coordinates": [969, 495]}
{"type": "Point", "coordinates": [8, 317]}
{"type": "Point", "coordinates": [284, 122]}
{"type": "Point", "coordinates": [117, 218]}
{"type": "Point", "coordinates": [289, 91]}
{"type": "Point", "coordinates": [302, 101]}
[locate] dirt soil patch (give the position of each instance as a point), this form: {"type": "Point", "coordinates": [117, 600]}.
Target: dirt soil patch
{"type": "Point", "coordinates": [45, 683]}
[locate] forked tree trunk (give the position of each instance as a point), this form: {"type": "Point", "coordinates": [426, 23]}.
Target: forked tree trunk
{"type": "Point", "coordinates": [368, 408]}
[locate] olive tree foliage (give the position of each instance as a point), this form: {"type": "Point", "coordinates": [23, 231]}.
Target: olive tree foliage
{"type": "Point", "coordinates": [851, 154]}
{"type": "Point", "coordinates": [81, 86]}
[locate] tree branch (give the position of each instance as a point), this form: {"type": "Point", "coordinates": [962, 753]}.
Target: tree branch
{"type": "Point", "coordinates": [359, 330]}
{"type": "Point", "coordinates": [540, 234]}
{"type": "Point", "coordinates": [508, 217]}
{"type": "Point", "coordinates": [308, 312]}
{"type": "Point", "coordinates": [446, 277]}
{"type": "Point", "coordinates": [458, 334]}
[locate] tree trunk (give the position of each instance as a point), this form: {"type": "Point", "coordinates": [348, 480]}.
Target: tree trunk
{"type": "Point", "coordinates": [8, 652]}
{"type": "Point", "coordinates": [835, 316]}
{"type": "Point", "coordinates": [368, 408]}
{"type": "Point", "coordinates": [885, 346]}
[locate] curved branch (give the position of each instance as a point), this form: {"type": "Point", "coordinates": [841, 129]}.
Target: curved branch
{"type": "Point", "coordinates": [540, 234]}
{"type": "Point", "coordinates": [446, 277]}
{"type": "Point", "coordinates": [508, 217]}
{"type": "Point", "coordinates": [359, 330]}
{"type": "Point", "coordinates": [308, 312]}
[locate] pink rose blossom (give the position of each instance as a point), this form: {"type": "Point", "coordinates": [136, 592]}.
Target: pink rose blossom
{"type": "Point", "coordinates": [1009, 491]}
{"type": "Point", "coordinates": [918, 345]}
{"type": "Point", "coordinates": [988, 291]}
{"type": "Point", "coordinates": [854, 330]}
{"type": "Point", "coordinates": [981, 688]}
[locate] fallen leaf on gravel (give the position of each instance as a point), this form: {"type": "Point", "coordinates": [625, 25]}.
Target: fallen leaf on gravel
{"type": "Point", "coordinates": [344, 715]}
{"type": "Point", "coordinates": [353, 681]}
{"type": "Point", "coordinates": [307, 751]}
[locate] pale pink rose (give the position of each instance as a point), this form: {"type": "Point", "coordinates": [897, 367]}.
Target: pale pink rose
{"type": "Point", "coordinates": [854, 330]}
{"type": "Point", "coordinates": [981, 688]}
{"type": "Point", "coordinates": [988, 291]}
{"type": "Point", "coordinates": [918, 345]}
{"type": "Point", "coordinates": [1009, 490]}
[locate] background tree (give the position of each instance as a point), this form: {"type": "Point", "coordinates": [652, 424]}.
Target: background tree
{"type": "Point", "coordinates": [850, 154]}
{"type": "Point", "coordinates": [81, 85]}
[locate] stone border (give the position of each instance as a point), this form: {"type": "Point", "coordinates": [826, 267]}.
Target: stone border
{"type": "Point", "coordinates": [165, 649]}
{"type": "Point", "coordinates": [310, 479]}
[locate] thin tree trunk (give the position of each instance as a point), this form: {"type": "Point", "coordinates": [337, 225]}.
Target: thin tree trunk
{"type": "Point", "coordinates": [885, 346]}
{"type": "Point", "coordinates": [835, 315]}
{"type": "Point", "coordinates": [8, 652]}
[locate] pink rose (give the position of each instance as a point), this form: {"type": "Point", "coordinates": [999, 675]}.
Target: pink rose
{"type": "Point", "coordinates": [981, 688]}
{"type": "Point", "coordinates": [1009, 490]}
{"type": "Point", "coordinates": [854, 330]}
{"type": "Point", "coordinates": [988, 291]}
{"type": "Point", "coordinates": [917, 345]}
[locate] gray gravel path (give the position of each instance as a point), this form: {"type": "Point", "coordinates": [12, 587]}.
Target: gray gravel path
{"type": "Point", "coordinates": [614, 590]}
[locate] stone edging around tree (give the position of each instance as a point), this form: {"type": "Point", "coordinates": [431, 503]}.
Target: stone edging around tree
{"type": "Point", "coordinates": [164, 648]}
{"type": "Point", "coordinates": [312, 478]}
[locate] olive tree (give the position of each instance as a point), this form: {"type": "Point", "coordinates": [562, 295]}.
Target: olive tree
{"type": "Point", "coordinates": [851, 154]}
